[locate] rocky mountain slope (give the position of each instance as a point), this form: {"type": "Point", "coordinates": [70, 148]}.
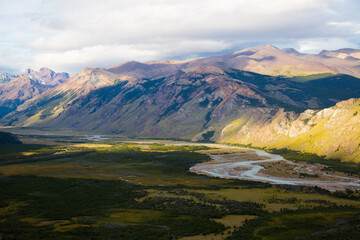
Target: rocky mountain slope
{"type": "Point", "coordinates": [32, 83]}
{"type": "Point", "coordinates": [270, 60]}
{"type": "Point", "coordinates": [333, 132]}
{"type": "Point", "coordinates": [6, 77]}
{"type": "Point", "coordinates": [198, 100]}
{"type": "Point", "coordinates": [55, 101]}
{"type": "Point", "coordinates": [46, 76]}
{"type": "Point", "coordinates": [344, 53]}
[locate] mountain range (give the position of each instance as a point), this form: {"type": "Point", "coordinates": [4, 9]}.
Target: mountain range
{"type": "Point", "coordinates": [263, 96]}
{"type": "Point", "coordinates": [15, 90]}
{"type": "Point", "coordinates": [6, 77]}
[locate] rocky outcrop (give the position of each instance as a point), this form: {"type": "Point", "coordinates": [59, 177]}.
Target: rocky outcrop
{"type": "Point", "coordinates": [46, 76]}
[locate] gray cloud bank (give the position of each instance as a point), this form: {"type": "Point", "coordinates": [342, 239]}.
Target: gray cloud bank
{"type": "Point", "coordinates": [68, 35]}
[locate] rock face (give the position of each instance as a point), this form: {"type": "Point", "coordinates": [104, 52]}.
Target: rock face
{"type": "Point", "coordinates": [20, 89]}
{"type": "Point", "coordinates": [17, 91]}
{"type": "Point", "coordinates": [46, 76]}
{"type": "Point", "coordinates": [5, 77]}
{"type": "Point", "coordinates": [333, 132]}
{"type": "Point", "coordinates": [54, 101]}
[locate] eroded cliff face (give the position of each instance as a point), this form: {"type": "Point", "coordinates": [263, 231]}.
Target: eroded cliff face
{"type": "Point", "coordinates": [333, 132]}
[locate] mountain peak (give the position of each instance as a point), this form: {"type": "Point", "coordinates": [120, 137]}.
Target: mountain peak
{"type": "Point", "coordinates": [291, 51]}
{"type": "Point", "coordinates": [87, 80]}
{"type": "Point", "coordinates": [266, 49]}
{"type": "Point", "coordinates": [46, 70]}
{"type": "Point", "coordinates": [87, 70]}
{"type": "Point", "coordinates": [46, 76]}
{"type": "Point", "coordinates": [128, 67]}
{"type": "Point", "coordinates": [6, 77]}
{"type": "Point", "coordinates": [268, 46]}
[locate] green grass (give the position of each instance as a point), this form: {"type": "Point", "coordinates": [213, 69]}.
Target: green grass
{"type": "Point", "coordinates": [155, 165]}
{"type": "Point", "coordinates": [145, 191]}
{"type": "Point", "coordinates": [96, 201]}
{"type": "Point", "coordinates": [311, 77]}
{"type": "Point", "coordinates": [303, 224]}
{"type": "Point", "coordinates": [350, 168]}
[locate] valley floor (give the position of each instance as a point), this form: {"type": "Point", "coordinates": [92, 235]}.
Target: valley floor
{"type": "Point", "coordinates": [80, 189]}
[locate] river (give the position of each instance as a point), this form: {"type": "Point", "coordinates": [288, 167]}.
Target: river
{"type": "Point", "coordinates": [223, 168]}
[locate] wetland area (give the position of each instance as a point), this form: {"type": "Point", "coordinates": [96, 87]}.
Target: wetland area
{"type": "Point", "coordinates": [104, 187]}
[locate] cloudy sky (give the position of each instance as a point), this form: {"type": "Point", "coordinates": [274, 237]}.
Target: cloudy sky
{"type": "Point", "coordinates": [67, 35]}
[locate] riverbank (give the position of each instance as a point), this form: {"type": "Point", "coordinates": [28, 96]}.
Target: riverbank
{"type": "Point", "coordinates": [235, 166]}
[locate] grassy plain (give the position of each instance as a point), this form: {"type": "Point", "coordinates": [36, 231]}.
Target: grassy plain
{"type": "Point", "coordinates": [75, 189]}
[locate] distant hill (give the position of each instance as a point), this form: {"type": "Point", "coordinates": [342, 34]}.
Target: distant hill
{"type": "Point", "coordinates": [32, 83]}
{"type": "Point", "coordinates": [8, 138]}
{"type": "Point", "coordinates": [196, 100]}
{"type": "Point", "coordinates": [262, 95]}
{"type": "Point", "coordinates": [265, 59]}
{"type": "Point", "coordinates": [344, 53]}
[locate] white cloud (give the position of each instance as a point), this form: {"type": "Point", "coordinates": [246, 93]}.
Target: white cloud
{"type": "Point", "coordinates": [13, 63]}
{"type": "Point", "coordinates": [107, 55]}
{"type": "Point", "coordinates": [316, 45]}
{"type": "Point", "coordinates": [119, 22]}
{"type": "Point", "coordinates": [70, 34]}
